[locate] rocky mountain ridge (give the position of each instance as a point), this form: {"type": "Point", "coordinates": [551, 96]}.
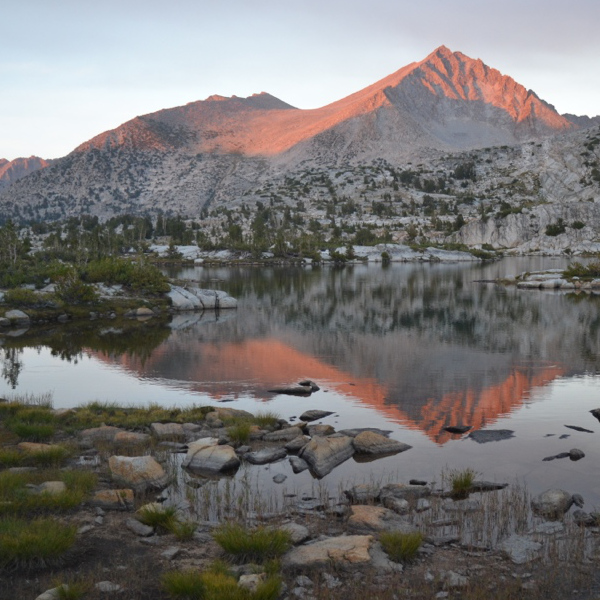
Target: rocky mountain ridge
{"type": "Point", "coordinates": [444, 136]}
{"type": "Point", "coordinates": [13, 170]}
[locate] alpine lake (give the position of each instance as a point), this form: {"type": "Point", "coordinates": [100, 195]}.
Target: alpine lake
{"type": "Point", "coordinates": [410, 348]}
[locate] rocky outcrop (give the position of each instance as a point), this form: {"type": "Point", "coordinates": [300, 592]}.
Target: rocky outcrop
{"type": "Point", "coordinates": [372, 444]}
{"type": "Point", "coordinates": [343, 552]}
{"type": "Point", "coordinates": [190, 299]}
{"type": "Point", "coordinates": [553, 504]}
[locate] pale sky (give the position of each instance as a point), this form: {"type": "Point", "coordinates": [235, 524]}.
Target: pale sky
{"type": "Point", "coordinates": [71, 69]}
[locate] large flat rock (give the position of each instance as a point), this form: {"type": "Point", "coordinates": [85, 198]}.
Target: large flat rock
{"type": "Point", "coordinates": [140, 473]}
{"type": "Point", "coordinates": [323, 454]}
{"type": "Point", "coordinates": [346, 551]}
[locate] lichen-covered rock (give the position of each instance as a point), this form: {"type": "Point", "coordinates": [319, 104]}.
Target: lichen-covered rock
{"type": "Point", "coordinates": [168, 431]}
{"type": "Point", "coordinates": [283, 435]}
{"type": "Point", "coordinates": [266, 455]}
{"type": "Point", "coordinates": [369, 519]}
{"type": "Point", "coordinates": [140, 473]}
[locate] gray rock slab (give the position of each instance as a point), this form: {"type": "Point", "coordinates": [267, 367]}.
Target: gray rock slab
{"type": "Point", "coordinates": [314, 415]}
{"type": "Point", "coordinates": [168, 431]}
{"type": "Point", "coordinates": [292, 390]}
{"type": "Point", "coordinates": [483, 436]}
{"type": "Point", "coordinates": [204, 456]}
{"type": "Point", "coordinates": [286, 434]}
{"type": "Point", "coordinates": [139, 473]}
{"type": "Point", "coordinates": [404, 491]}
{"type": "Point", "coordinates": [363, 493]}
{"type": "Point", "coordinates": [354, 432]}
{"type": "Point", "coordinates": [298, 532]}
{"type": "Point", "coordinates": [520, 549]}
{"type": "Point", "coordinates": [297, 443]}
{"type": "Point", "coordinates": [371, 443]}
{"type": "Point", "coordinates": [298, 464]}
{"type": "Point", "coordinates": [323, 454]}
{"type": "Point", "coordinates": [266, 455]}
{"type": "Point", "coordinates": [139, 528]}
{"type": "Point", "coordinates": [343, 552]}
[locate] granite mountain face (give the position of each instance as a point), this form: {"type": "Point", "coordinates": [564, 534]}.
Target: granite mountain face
{"type": "Point", "coordinates": [212, 153]}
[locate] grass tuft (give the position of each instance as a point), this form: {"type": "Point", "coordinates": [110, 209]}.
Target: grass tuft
{"type": "Point", "coordinates": [401, 547]}
{"type": "Point", "coordinates": [256, 545]}
{"type": "Point", "coordinates": [266, 418]}
{"type": "Point", "coordinates": [462, 482]}
{"type": "Point", "coordinates": [158, 516]}
{"type": "Point", "coordinates": [25, 543]}
{"type": "Point", "coordinates": [240, 432]}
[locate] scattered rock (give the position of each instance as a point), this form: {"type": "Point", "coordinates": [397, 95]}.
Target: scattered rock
{"type": "Point", "coordinates": [297, 443]}
{"type": "Point", "coordinates": [363, 493]}
{"type": "Point", "coordinates": [314, 414]}
{"type": "Point", "coordinates": [458, 428]}
{"type": "Point", "coordinates": [320, 430]}
{"type": "Point", "coordinates": [520, 549]}
{"type": "Point", "coordinates": [404, 491]}
{"type": "Point", "coordinates": [298, 532]}
{"type": "Point", "coordinates": [577, 428]}
{"type": "Point", "coordinates": [323, 454]}
{"type": "Point", "coordinates": [139, 528]}
{"type": "Point", "coordinates": [108, 587]}
{"type": "Point", "coordinates": [369, 442]}
{"type": "Point", "coordinates": [552, 504]}
{"type": "Point", "coordinates": [266, 455]}
{"type": "Point", "coordinates": [279, 478]}
{"type": "Point", "coordinates": [596, 413]}
{"type": "Point", "coordinates": [487, 486]}
{"type": "Point", "coordinates": [206, 456]}
{"type": "Point", "coordinates": [293, 390]}
{"type": "Point", "coordinates": [369, 519]}
{"type": "Point", "coordinates": [168, 431]}
{"type": "Point", "coordinates": [171, 552]}
{"type": "Point", "coordinates": [105, 433]}
{"type": "Point", "coordinates": [251, 581]}
{"type": "Point", "coordinates": [576, 454]}
{"type": "Point", "coordinates": [17, 317]}
{"type": "Point", "coordinates": [286, 434]}
{"type": "Point", "coordinates": [140, 473]}
{"type": "Point", "coordinates": [131, 438]}
{"type": "Point", "coordinates": [348, 551]}
{"type": "Point", "coordinates": [354, 432]}
{"type": "Point", "coordinates": [53, 488]}
{"type": "Point", "coordinates": [483, 436]}
{"type": "Point", "coordinates": [298, 464]}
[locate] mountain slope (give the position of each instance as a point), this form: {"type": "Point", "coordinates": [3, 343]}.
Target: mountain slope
{"type": "Point", "coordinates": [210, 152]}
{"type": "Point", "coordinates": [11, 171]}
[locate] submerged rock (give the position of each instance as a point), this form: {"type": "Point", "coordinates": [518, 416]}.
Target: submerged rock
{"type": "Point", "coordinates": [293, 390]}
{"type": "Point", "coordinates": [266, 455]}
{"type": "Point", "coordinates": [483, 436]}
{"type": "Point", "coordinates": [314, 414]}
{"type": "Point", "coordinates": [458, 428]}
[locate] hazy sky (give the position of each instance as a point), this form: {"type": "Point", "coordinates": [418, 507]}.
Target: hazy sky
{"type": "Point", "coordinates": [70, 69]}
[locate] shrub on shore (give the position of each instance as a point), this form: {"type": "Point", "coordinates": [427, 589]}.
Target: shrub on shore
{"type": "Point", "coordinates": [401, 547]}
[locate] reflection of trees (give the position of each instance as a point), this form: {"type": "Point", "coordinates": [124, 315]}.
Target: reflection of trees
{"type": "Point", "coordinates": [11, 365]}
{"type": "Point", "coordinates": [68, 342]}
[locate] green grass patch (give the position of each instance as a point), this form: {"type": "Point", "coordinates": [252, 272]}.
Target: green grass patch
{"type": "Point", "coordinates": [589, 271]}
{"type": "Point", "coordinates": [32, 423]}
{"type": "Point", "coordinates": [217, 583]}
{"type": "Point", "coordinates": [54, 456]}
{"type": "Point", "coordinates": [184, 530]}
{"type": "Point", "coordinates": [266, 418]}
{"type": "Point", "coordinates": [401, 547]}
{"type": "Point", "coordinates": [16, 498]}
{"type": "Point", "coordinates": [240, 432]}
{"type": "Point", "coordinates": [158, 516]}
{"type": "Point", "coordinates": [26, 543]}
{"type": "Point", "coordinates": [252, 545]}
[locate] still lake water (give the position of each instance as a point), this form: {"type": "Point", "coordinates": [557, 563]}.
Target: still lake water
{"type": "Point", "coordinates": [409, 348]}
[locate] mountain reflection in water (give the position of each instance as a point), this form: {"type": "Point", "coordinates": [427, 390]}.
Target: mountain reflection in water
{"type": "Point", "coordinates": [422, 345]}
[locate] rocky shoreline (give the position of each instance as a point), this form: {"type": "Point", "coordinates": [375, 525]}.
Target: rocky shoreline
{"type": "Point", "coordinates": [479, 540]}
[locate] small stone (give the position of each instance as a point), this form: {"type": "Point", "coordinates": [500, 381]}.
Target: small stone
{"type": "Point", "coordinates": [54, 488]}
{"type": "Point", "coordinates": [171, 552]}
{"type": "Point", "coordinates": [520, 549]}
{"type": "Point", "coordinates": [422, 505]}
{"type": "Point", "coordinates": [279, 478]}
{"type": "Point", "coordinates": [108, 587]}
{"type": "Point", "coordinates": [298, 532]}
{"type": "Point", "coordinates": [298, 464]}
{"type": "Point", "coordinates": [314, 415]}
{"type": "Point", "coordinates": [331, 582]}
{"type": "Point", "coordinates": [84, 529]}
{"type": "Point", "coordinates": [304, 581]}
{"type": "Point", "coordinates": [266, 455]}
{"type": "Point", "coordinates": [139, 528]}
{"type": "Point", "coordinates": [99, 520]}
{"type": "Point", "coordinates": [576, 454]}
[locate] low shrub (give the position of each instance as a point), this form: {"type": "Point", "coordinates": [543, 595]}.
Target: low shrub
{"type": "Point", "coordinates": [401, 547]}
{"type": "Point", "coordinates": [554, 229]}
{"type": "Point", "coordinates": [21, 297]}
{"type": "Point", "coordinates": [252, 545]}
{"type": "Point", "coordinates": [184, 530]}
{"type": "Point", "coordinates": [25, 543]}
{"type": "Point", "coordinates": [187, 585]}
{"type": "Point", "coordinates": [158, 516]}
{"type": "Point", "coordinates": [589, 271]}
